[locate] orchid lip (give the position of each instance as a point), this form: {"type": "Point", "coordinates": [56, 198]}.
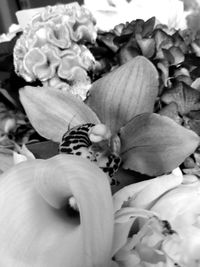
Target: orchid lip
{"type": "Point", "coordinates": [95, 143]}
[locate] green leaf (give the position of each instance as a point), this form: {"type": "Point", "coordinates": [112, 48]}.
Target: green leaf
{"type": "Point", "coordinates": [124, 93]}
{"type": "Point", "coordinates": [52, 112]}
{"type": "Point", "coordinates": [43, 150]}
{"type": "Point", "coordinates": [154, 144]}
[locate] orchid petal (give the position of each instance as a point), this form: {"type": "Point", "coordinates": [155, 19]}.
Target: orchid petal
{"type": "Point", "coordinates": [52, 112]}
{"type": "Point", "coordinates": [35, 228]}
{"type": "Point", "coordinates": [155, 144]}
{"type": "Point", "coordinates": [124, 93]}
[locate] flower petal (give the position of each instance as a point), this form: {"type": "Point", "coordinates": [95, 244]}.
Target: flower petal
{"type": "Point", "coordinates": [37, 230]}
{"type": "Point", "coordinates": [52, 112]}
{"type": "Point", "coordinates": [124, 219]}
{"type": "Point", "coordinates": [6, 159]}
{"type": "Point", "coordinates": [22, 154]}
{"type": "Point", "coordinates": [143, 194]}
{"type": "Point", "coordinates": [155, 144]}
{"type": "Point", "coordinates": [181, 206]}
{"type": "Point", "coordinates": [124, 93]}
{"type": "Point", "coordinates": [186, 98]}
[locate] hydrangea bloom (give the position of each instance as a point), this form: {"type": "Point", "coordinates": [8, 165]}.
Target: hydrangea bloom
{"type": "Point", "coordinates": [52, 48]}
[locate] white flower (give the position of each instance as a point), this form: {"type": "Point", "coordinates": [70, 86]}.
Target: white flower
{"type": "Point", "coordinates": [157, 222]}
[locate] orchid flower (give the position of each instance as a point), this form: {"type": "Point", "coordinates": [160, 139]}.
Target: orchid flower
{"type": "Point", "coordinates": [117, 123]}
{"type": "Point", "coordinates": [157, 222]}
{"type": "Point", "coordinates": [39, 226]}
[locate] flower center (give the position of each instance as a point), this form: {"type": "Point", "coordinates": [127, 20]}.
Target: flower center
{"type": "Point", "coordinates": [96, 143]}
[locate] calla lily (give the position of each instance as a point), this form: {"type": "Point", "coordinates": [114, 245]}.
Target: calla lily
{"type": "Point", "coordinates": [166, 210]}
{"type": "Point", "coordinates": [37, 226]}
{"type": "Point", "coordinates": [6, 159]}
{"type": "Point", "coordinates": [123, 103]}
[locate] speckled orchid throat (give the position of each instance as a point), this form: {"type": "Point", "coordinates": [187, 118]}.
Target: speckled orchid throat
{"type": "Point", "coordinates": [96, 143]}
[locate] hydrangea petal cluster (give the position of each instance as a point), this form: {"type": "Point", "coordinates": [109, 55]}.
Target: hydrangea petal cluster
{"type": "Point", "coordinates": [52, 48]}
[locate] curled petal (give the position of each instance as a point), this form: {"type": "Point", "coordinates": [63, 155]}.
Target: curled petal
{"type": "Point", "coordinates": [59, 36]}
{"type": "Point", "coordinates": [41, 63]}
{"type": "Point", "coordinates": [36, 228]}
{"type": "Point", "coordinates": [76, 58]}
{"type": "Point", "coordinates": [83, 32]}
{"type": "Point", "coordinates": [51, 64]}
{"type": "Point", "coordinates": [83, 29]}
{"type": "Point", "coordinates": [34, 56]}
{"type": "Point", "coordinates": [72, 72]}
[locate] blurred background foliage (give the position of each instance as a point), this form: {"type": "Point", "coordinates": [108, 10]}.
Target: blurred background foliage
{"type": "Point", "coordinates": [192, 7]}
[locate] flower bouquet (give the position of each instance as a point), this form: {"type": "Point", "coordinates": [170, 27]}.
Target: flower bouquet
{"type": "Point", "coordinates": [99, 141]}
